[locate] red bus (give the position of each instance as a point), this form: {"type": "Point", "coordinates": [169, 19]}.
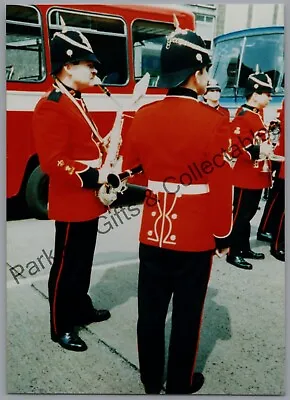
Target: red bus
{"type": "Point", "coordinates": [126, 38]}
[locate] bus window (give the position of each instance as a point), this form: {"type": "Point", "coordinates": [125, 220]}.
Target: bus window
{"type": "Point", "coordinates": [108, 37]}
{"type": "Point", "coordinates": [148, 37]}
{"type": "Point", "coordinates": [24, 49]}
{"type": "Point", "coordinates": [225, 64]}
{"type": "Point", "coordinates": [267, 53]}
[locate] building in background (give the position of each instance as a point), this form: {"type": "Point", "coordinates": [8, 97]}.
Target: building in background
{"type": "Point", "coordinates": [205, 20]}
{"type": "Point", "coordinates": [249, 16]}
{"type": "Point", "coordinates": [215, 19]}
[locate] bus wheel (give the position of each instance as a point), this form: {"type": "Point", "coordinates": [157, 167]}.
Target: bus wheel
{"type": "Point", "coordinates": [37, 194]}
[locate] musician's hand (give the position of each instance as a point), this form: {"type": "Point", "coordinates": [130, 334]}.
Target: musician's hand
{"type": "Point", "coordinates": [265, 149]}
{"type": "Point", "coordinates": [222, 252]}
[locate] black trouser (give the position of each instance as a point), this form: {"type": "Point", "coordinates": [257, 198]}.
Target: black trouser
{"type": "Point", "coordinates": [184, 275]}
{"type": "Point", "coordinates": [70, 274]}
{"type": "Point", "coordinates": [274, 208]}
{"type": "Point", "coordinates": [278, 215]}
{"type": "Point", "coordinates": [246, 203]}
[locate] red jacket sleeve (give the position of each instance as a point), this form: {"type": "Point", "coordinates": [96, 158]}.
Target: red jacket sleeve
{"type": "Point", "coordinates": [51, 136]}
{"type": "Point", "coordinates": [220, 182]}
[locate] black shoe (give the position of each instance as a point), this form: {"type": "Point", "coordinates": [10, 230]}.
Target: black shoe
{"type": "Point", "coordinates": [197, 383]}
{"type": "Point", "coordinates": [94, 316]}
{"type": "Point", "coordinates": [70, 341]}
{"type": "Point", "coordinates": [152, 389]}
{"type": "Point", "coordinates": [239, 262]}
{"type": "Point", "coordinates": [278, 254]}
{"type": "Point", "coordinates": [252, 255]}
{"type": "Point", "coordinates": [264, 237]}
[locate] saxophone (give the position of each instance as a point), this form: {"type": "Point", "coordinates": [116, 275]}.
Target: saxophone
{"type": "Point", "coordinates": [113, 163]}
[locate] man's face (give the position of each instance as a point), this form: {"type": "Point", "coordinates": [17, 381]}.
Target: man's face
{"type": "Point", "coordinates": [263, 99]}
{"type": "Point", "coordinates": [201, 81]}
{"type": "Point", "coordinates": [213, 95]}
{"type": "Point", "coordinates": [83, 74]}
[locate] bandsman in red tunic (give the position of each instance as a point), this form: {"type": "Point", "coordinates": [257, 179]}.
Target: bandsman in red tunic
{"type": "Point", "coordinates": [212, 97]}
{"type": "Point", "coordinates": [273, 219]}
{"type": "Point", "coordinates": [69, 151]}
{"type": "Point", "coordinates": [268, 220]}
{"type": "Point", "coordinates": [252, 171]}
{"type": "Point", "coordinates": [278, 230]}
{"type": "Point", "coordinates": [181, 144]}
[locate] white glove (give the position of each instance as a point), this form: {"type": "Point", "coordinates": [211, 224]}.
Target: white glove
{"type": "Point", "coordinates": [107, 195]}
{"type": "Point", "coordinates": [103, 174]}
{"type": "Point", "coordinates": [265, 149]}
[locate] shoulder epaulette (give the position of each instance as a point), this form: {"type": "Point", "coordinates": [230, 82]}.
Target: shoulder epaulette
{"type": "Point", "coordinates": [54, 96]}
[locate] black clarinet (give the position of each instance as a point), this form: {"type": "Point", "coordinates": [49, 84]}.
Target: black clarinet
{"type": "Point", "coordinates": [115, 180]}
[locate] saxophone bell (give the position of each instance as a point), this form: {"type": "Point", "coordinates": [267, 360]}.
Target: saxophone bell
{"type": "Point", "coordinates": [117, 181]}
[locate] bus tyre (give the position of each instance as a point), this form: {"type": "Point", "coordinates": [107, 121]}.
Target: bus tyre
{"type": "Point", "coordinates": [37, 194]}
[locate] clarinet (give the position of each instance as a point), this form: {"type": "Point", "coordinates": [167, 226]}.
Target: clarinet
{"type": "Point", "coordinates": [116, 180]}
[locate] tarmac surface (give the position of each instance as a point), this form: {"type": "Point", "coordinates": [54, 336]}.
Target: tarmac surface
{"type": "Point", "coordinates": [242, 343]}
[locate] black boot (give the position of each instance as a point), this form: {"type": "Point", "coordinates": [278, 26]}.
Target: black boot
{"type": "Point", "coordinates": [264, 236]}
{"type": "Point", "coordinates": [197, 383]}
{"type": "Point", "coordinates": [239, 262]}
{"type": "Point", "coordinates": [93, 316]}
{"type": "Point", "coordinates": [70, 341]}
{"type": "Point", "coordinates": [252, 255]}
{"type": "Point", "coordinates": [152, 389]}
{"type": "Point", "coordinates": [279, 254]}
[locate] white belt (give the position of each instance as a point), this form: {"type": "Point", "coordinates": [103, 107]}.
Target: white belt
{"type": "Point", "coordinates": [92, 163]}
{"type": "Point", "coordinates": [177, 188]}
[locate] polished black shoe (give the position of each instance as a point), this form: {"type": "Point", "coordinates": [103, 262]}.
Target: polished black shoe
{"type": "Point", "coordinates": [264, 236]}
{"type": "Point", "coordinates": [239, 262]}
{"type": "Point", "coordinates": [70, 341]}
{"type": "Point", "coordinates": [252, 255]}
{"type": "Point", "coordinates": [278, 254]}
{"type": "Point", "coordinates": [197, 383]}
{"type": "Point", "coordinates": [151, 389]}
{"type": "Point", "coordinates": [95, 316]}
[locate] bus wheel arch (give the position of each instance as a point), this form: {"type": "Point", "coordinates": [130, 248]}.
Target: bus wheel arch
{"type": "Point", "coordinates": [36, 194]}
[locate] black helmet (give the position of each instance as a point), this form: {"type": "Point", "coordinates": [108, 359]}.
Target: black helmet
{"type": "Point", "coordinates": [182, 54]}
{"type": "Point", "coordinates": [70, 46]}
{"type": "Point", "coordinates": [258, 83]}
{"type": "Point", "coordinates": [212, 84]}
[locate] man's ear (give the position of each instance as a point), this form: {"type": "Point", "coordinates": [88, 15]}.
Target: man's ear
{"type": "Point", "coordinates": [254, 96]}
{"type": "Point", "coordinates": [67, 67]}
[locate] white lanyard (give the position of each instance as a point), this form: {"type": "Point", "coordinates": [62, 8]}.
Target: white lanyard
{"type": "Point", "coordinates": [59, 85]}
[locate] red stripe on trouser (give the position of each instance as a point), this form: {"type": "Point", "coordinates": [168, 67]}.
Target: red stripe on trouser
{"type": "Point", "coordinates": [279, 230]}
{"type": "Point", "coordinates": [269, 211]}
{"type": "Point", "coordinates": [57, 281]}
{"type": "Point", "coordinates": [200, 322]}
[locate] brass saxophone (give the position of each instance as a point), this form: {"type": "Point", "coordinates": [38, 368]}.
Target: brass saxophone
{"type": "Point", "coordinates": [113, 163]}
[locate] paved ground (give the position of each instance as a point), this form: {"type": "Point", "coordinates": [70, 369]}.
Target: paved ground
{"type": "Point", "coordinates": [242, 347]}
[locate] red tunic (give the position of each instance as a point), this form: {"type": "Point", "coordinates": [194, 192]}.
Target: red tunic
{"type": "Point", "coordinates": [224, 111]}
{"type": "Point", "coordinates": [247, 129]}
{"type": "Point", "coordinates": [280, 149]}
{"type": "Point", "coordinates": [62, 136]}
{"type": "Point", "coordinates": [179, 140]}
